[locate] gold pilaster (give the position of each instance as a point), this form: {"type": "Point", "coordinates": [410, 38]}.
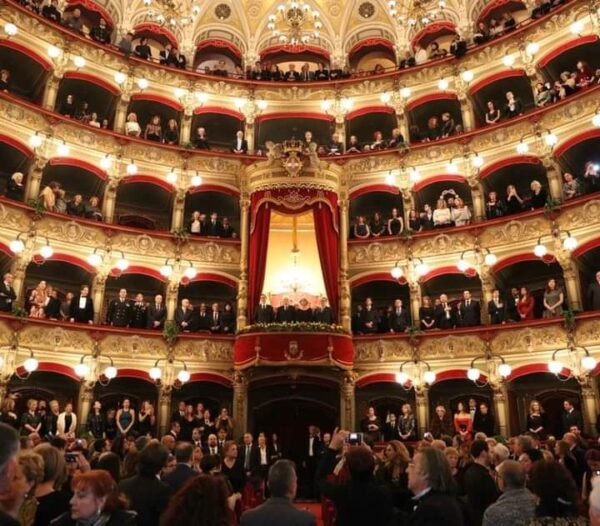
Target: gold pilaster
{"type": "Point", "coordinates": [422, 409]}
{"type": "Point", "coordinates": [347, 401]}
{"type": "Point", "coordinates": [500, 398]}
{"type": "Point", "coordinates": [51, 92]}
{"type": "Point", "coordinates": [242, 299]}
{"type": "Point", "coordinates": [98, 291]}
{"type": "Point", "coordinates": [589, 407]}
{"type": "Point", "coordinates": [34, 178]}
{"type": "Point", "coordinates": [164, 410]}
{"type": "Point", "coordinates": [240, 403]}
{"type": "Point", "coordinates": [344, 286]}
{"type": "Point", "coordinates": [178, 210]}
{"type": "Point", "coordinates": [86, 398]}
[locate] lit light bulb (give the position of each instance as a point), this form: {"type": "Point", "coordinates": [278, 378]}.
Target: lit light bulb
{"type": "Point", "coordinates": [422, 269]}
{"type": "Point", "coordinates": [79, 61]}
{"type": "Point", "coordinates": [551, 139]}
{"type": "Point", "coordinates": [105, 162]}
{"type": "Point", "coordinates": [405, 93]}
{"type": "Point", "coordinates": [540, 250]}
{"type": "Point", "coordinates": [122, 264]}
{"type": "Point", "coordinates": [239, 103]}
{"type": "Point", "coordinates": [467, 75]}
{"type": "Point", "coordinates": [31, 364]}
{"type": "Point", "coordinates": [401, 378]}
{"type": "Point", "coordinates": [596, 119]}
{"type": "Point", "coordinates": [190, 272]}
{"type": "Point", "coordinates": [155, 373]}
{"type": "Point", "coordinates": [390, 179]}
{"type": "Point", "coordinates": [262, 105]}
{"type": "Point", "coordinates": [522, 148]}
{"type": "Point", "coordinates": [120, 77]}
{"type": "Point", "coordinates": [35, 141]}
{"type": "Point", "coordinates": [462, 265]}
{"type": "Point", "coordinates": [588, 363]}
{"type": "Point", "coordinates": [94, 259]}
{"type": "Point", "coordinates": [110, 372]}
{"type": "Point", "coordinates": [16, 246]}
{"type": "Point", "coordinates": [346, 103]}
{"type": "Point", "coordinates": [508, 60]}
{"type": "Point", "coordinates": [443, 84]}
{"type": "Point", "coordinates": [452, 167]}
{"type": "Point", "coordinates": [385, 97]}
{"type": "Point", "coordinates": [490, 259]}
{"type": "Point", "coordinates": [172, 176]}
{"type": "Point", "coordinates": [132, 168]}
{"type": "Point", "coordinates": [180, 93]}
{"type": "Point", "coordinates": [473, 374]}
{"type": "Point", "coordinates": [142, 83]}
{"type": "Point", "coordinates": [46, 251]}
{"type": "Point", "coordinates": [54, 51]}
{"type": "Point", "coordinates": [396, 272]}
{"type": "Point", "coordinates": [196, 180]}
{"type": "Point", "coordinates": [10, 29]}
{"type": "Point", "coordinates": [201, 97]}
{"type": "Point", "coordinates": [504, 370]}
{"type": "Point", "coordinates": [532, 48]}
{"type": "Point", "coordinates": [1, 362]}
{"type": "Point", "coordinates": [63, 150]}
{"type": "Point", "coordinates": [429, 377]}
{"type": "Point", "coordinates": [325, 105]}
{"type": "Point", "coordinates": [477, 161]}
{"type": "Point", "coordinates": [82, 370]}
{"type": "Point", "coordinates": [414, 175]}
{"type": "Point", "coordinates": [166, 271]}
{"type": "Point", "coordinates": [555, 367]}
{"type": "Point", "coordinates": [183, 376]}
{"type": "Point", "coordinates": [577, 27]}
{"type": "Point", "coordinates": [570, 243]}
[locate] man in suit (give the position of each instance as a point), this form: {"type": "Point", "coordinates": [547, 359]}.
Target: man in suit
{"type": "Point", "coordinates": [221, 438]}
{"type": "Point", "coordinates": [212, 446]}
{"type": "Point", "coordinates": [197, 437]}
{"type": "Point", "coordinates": [398, 317]}
{"type": "Point", "coordinates": [570, 417]}
{"type": "Point", "coordinates": [183, 316]}
{"type": "Point", "coordinates": [157, 314]}
{"type": "Point", "coordinates": [312, 453]}
{"type": "Point", "coordinates": [369, 320]}
{"type": "Point", "coordinates": [264, 312]}
{"type": "Point", "coordinates": [279, 508]}
{"type": "Point", "coordinates": [203, 318]}
{"type": "Point", "coordinates": [479, 484]}
{"type": "Point", "coordinates": [306, 74]}
{"type": "Point", "coordinates": [323, 313]}
{"type": "Point", "coordinates": [179, 414]}
{"type": "Point", "coordinates": [431, 482]}
{"type": "Point", "coordinates": [593, 293]}
{"type": "Point", "coordinates": [182, 472]}
{"type": "Point", "coordinates": [291, 75]}
{"type": "Point", "coordinates": [7, 293]}
{"type": "Point", "coordinates": [174, 430]}
{"type": "Point", "coordinates": [147, 495]}
{"type": "Point", "coordinates": [82, 307]}
{"type": "Point", "coordinates": [248, 454]}
{"type": "Point", "coordinates": [216, 322]}
{"type": "Point", "coordinates": [512, 302]}
{"type": "Point", "coordinates": [167, 56]}
{"type": "Point", "coordinates": [119, 310]}
{"type": "Point", "coordinates": [469, 311]}
{"type": "Point", "coordinates": [445, 314]}
{"type": "Point", "coordinates": [214, 227]}
{"type": "Point", "coordinates": [497, 309]}
{"type": "Point", "coordinates": [285, 312]}
{"type": "Point", "coordinates": [240, 145]}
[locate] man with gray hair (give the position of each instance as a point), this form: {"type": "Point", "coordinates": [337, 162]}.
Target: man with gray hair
{"type": "Point", "coordinates": [516, 505]}
{"type": "Point", "coordinates": [500, 453]}
{"type": "Point", "coordinates": [279, 508]}
{"type": "Point", "coordinates": [9, 449]}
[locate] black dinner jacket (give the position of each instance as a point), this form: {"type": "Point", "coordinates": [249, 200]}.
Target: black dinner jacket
{"type": "Point", "coordinates": [398, 322]}
{"type": "Point", "coordinates": [215, 229]}
{"type": "Point", "coordinates": [244, 147]}
{"type": "Point", "coordinates": [84, 315]}
{"type": "Point", "coordinates": [440, 317]}
{"type": "Point", "coordinates": [436, 509]}
{"type": "Point", "coordinates": [254, 457]}
{"type": "Point", "coordinates": [7, 296]}
{"type": "Point", "coordinates": [203, 321]}
{"type": "Point", "coordinates": [323, 315]}
{"type": "Point", "coordinates": [594, 295]}
{"type": "Point", "coordinates": [264, 315]}
{"type": "Point", "coordinates": [181, 316]}
{"type": "Point", "coordinates": [155, 314]}
{"type": "Point", "coordinates": [470, 316]}
{"type": "Point", "coordinates": [285, 315]}
{"type": "Point", "coordinates": [497, 313]}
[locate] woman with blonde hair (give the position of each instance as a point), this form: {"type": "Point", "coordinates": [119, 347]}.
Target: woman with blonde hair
{"type": "Point", "coordinates": [442, 216]}
{"type": "Point", "coordinates": [392, 473]}
{"type": "Point", "coordinates": [460, 214]}
{"type": "Point", "coordinates": [37, 300]}
{"type": "Point", "coordinates": [32, 467]}
{"type": "Point", "coordinates": [132, 127]}
{"type": "Point", "coordinates": [536, 420]}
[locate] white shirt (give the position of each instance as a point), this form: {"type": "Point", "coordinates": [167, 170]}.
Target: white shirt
{"type": "Point", "coordinates": [132, 128]}
{"type": "Point", "coordinates": [311, 441]}
{"type": "Point", "coordinates": [420, 56]}
{"type": "Point", "coordinates": [195, 226]}
{"type": "Point", "coordinates": [238, 144]}
{"type": "Point", "coordinates": [82, 302]}
{"type": "Point", "coordinates": [263, 456]}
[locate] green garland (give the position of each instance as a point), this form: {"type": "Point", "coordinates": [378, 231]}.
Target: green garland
{"type": "Point", "coordinates": [294, 326]}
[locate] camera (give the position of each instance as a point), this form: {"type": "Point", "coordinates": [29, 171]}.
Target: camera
{"type": "Point", "coordinates": [355, 439]}
{"type": "Point", "coordinates": [71, 457]}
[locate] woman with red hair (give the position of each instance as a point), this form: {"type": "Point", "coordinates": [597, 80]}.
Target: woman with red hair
{"type": "Point", "coordinates": [96, 502]}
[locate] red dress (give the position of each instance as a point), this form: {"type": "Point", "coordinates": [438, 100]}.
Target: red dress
{"type": "Point", "coordinates": [463, 423]}
{"type": "Point", "coordinates": [525, 307]}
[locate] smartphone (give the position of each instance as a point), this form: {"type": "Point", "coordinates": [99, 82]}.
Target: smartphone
{"type": "Point", "coordinates": [355, 439]}
{"type": "Point", "coordinates": [71, 457]}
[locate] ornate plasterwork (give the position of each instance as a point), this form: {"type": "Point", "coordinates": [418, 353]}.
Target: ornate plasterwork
{"type": "Point", "coordinates": [212, 252]}
{"type": "Point", "coordinates": [381, 351]}
{"type": "Point", "coordinates": [208, 351]}
{"type": "Point", "coordinates": [55, 339]}
{"type": "Point", "coordinates": [449, 347]}
{"type": "Point", "coordinates": [529, 339]}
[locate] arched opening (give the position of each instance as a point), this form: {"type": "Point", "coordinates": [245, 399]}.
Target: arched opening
{"type": "Point", "coordinates": [46, 385]}
{"type": "Point", "coordinates": [565, 57]}
{"type": "Point", "coordinates": [225, 205]}
{"type": "Point", "coordinates": [214, 396]}
{"type": "Point", "coordinates": [144, 203]}
{"type": "Point", "coordinates": [147, 106]}
{"type": "Point", "coordinates": [214, 52]}
{"type": "Point", "coordinates": [90, 95]}
{"type": "Point", "coordinates": [157, 37]}
{"type": "Point", "coordinates": [220, 127]}
{"type": "Point", "coordinates": [587, 257]}
{"type": "Point", "coordinates": [75, 178]}
{"type": "Point", "coordinates": [63, 274]}
{"type": "Point", "coordinates": [451, 282]}
{"type": "Point", "coordinates": [531, 272]}
{"type": "Point", "coordinates": [203, 292]}
{"type": "Point", "coordinates": [383, 292]}
{"type": "Point", "coordinates": [366, 54]}
{"type": "Point", "coordinates": [283, 55]}
{"type": "Point", "coordinates": [546, 389]}
{"type": "Point", "coordinates": [376, 202]}
{"type": "Point", "coordinates": [442, 33]}
{"type": "Point", "coordinates": [519, 172]}
{"type": "Point", "coordinates": [91, 13]}
{"type": "Point", "coordinates": [425, 117]}
{"type": "Point", "coordinates": [581, 157]}
{"type": "Point", "coordinates": [279, 127]}
{"type": "Point", "coordinates": [494, 89]}
{"type": "Point", "coordinates": [447, 188]}
{"type": "Point", "coordinates": [385, 398]}
{"type": "Point", "coordinates": [496, 10]}
{"type": "Point", "coordinates": [366, 121]}
{"type": "Point", "coordinates": [16, 157]}
{"type": "Point", "coordinates": [28, 71]}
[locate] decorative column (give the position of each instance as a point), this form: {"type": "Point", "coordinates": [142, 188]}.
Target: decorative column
{"type": "Point", "coordinates": [401, 122]}
{"type": "Point", "coordinates": [347, 401]}
{"type": "Point", "coordinates": [240, 403]}
{"type": "Point", "coordinates": [340, 130]}
{"type": "Point", "coordinates": [466, 111]}
{"type": "Point", "coordinates": [242, 299]}
{"type": "Point", "coordinates": [570, 275]}
{"type": "Point", "coordinates": [164, 410]}
{"type": "Point", "coordinates": [3, 390]}
{"type": "Point", "coordinates": [415, 301]}
{"type": "Point", "coordinates": [589, 407]}
{"type": "Point", "coordinates": [121, 113]}
{"type": "Point", "coordinates": [109, 199]}
{"type": "Point", "coordinates": [344, 286]}
{"type": "Point", "coordinates": [171, 297]}
{"type": "Point", "coordinates": [487, 288]}
{"type": "Point", "coordinates": [98, 290]}
{"type": "Point", "coordinates": [553, 173]}
{"type": "Point", "coordinates": [51, 92]}
{"type": "Point", "coordinates": [178, 209]}
{"type": "Point", "coordinates": [186, 129]}
{"type": "Point", "coordinates": [86, 399]}
{"type": "Point", "coordinates": [422, 409]}
{"type": "Point", "coordinates": [249, 133]}
{"type": "Point", "coordinates": [408, 202]}
{"type": "Point", "coordinates": [18, 269]}
{"type": "Point", "coordinates": [477, 195]}
{"type": "Point", "coordinates": [500, 396]}
{"type": "Point", "coordinates": [34, 178]}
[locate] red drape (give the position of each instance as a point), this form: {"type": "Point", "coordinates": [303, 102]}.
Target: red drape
{"type": "Point", "coordinates": [257, 257]}
{"type": "Point", "coordinates": [328, 245]}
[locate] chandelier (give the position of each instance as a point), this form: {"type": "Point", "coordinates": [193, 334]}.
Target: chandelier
{"type": "Point", "coordinates": [295, 278]}
{"type": "Point", "coordinates": [417, 12]}
{"type": "Point", "coordinates": [91, 369]}
{"type": "Point", "coordinates": [169, 376]}
{"type": "Point", "coordinates": [172, 13]}
{"type": "Point", "coordinates": [495, 369]}
{"type": "Point", "coordinates": [295, 23]}
{"type": "Point", "coordinates": [415, 373]}
{"type": "Point", "coordinates": [9, 363]}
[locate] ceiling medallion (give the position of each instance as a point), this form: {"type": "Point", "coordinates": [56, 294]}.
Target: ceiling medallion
{"type": "Point", "coordinates": [222, 11]}
{"type": "Point", "coordinates": [366, 10]}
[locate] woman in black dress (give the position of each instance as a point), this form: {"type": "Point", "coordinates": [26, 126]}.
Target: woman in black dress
{"type": "Point", "coordinates": [188, 423]}
{"type": "Point", "coordinates": [303, 312]}
{"type": "Point", "coordinates": [414, 221]}
{"type": "Point", "coordinates": [427, 314]}
{"type": "Point", "coordinates": [514, 203]}
{"type": "Point", "coordinates": [232, 467]}
{"type": "Point", "coordinates": [146, 419]}
{"type": "Point", "coordinates": [377, 226]}
{"type": "Point", "coordinates": [493, 207]}
{"type": "Point", "coordinates": [539, 196]}
{"type": "Point", "coordinates": [536, 420]}
{"type": "Point", "coordinates": [492, 115]}
{"type": "Point", "coordinates": [228, 319]}
{"type": "Point", "coordinates": [395, 223]}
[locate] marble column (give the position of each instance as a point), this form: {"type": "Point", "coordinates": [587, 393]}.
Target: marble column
{"type": "Point", "coordinates": [178, 210]}
{"type": "Point", "coordinates": [86, 399]}
{"type": "Point", "coordinates": [164, 410]}
{"type": "Point", "coordinates": [589, 407]}
{"type": "Point", "coordinates": [422, 410]}
{"type": "Point", "coordinates": [240, 403]}
{"type": "Point", "coordinates": [98, 290]}
{"type": "Point", "coordinates": [345, 299]}
{"type": "Point", "coordinates": [50, 93]}
{"type": "Point", "coordinates": [500, 397]}
{"type": "Point", "coordinates": [347, 401]}
{"type": "Point", "coordinates": [242, 299]}
{"type": "Point", "coordinates": [34, 178]}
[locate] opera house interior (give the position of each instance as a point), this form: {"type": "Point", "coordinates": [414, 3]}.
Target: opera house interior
{"type": "Point", "coordinates": [233, 217]}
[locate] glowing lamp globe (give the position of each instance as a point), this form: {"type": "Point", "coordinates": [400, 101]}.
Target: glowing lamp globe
{"type": "Point", "coordinates": [429, 377]}
{"type": "Point", "coordinates": [508, 60]}
{"type": "Point", "coordinates": [490, 259]}
{"type": "Point", "coordinates": [190, 272]}
{"type": "Point", "coordinates": [201, 97]}
{"type": "Point", "coordinates": [390, 179]}
{"type": "Point", "coordinates": [166, 270]}
{"type": "Point", "coordinates": [262, 105]}
{"type": "Point", "coordinates": [142, 83]}
{"type": "Point", "coordinates": [589, 363]}
{"type": "Point", "coordinates": [155, 373]}
{"type": "Point", "coordinates": [120, 77]}
{"type": "Point", "coordinates": [473, 374]}
{"type": "Point", "coordinates": [63, 150]}
{"type": "Point", "coordinates": [462, 265]}
{"type": "Point", "coordinates": [325, 105]}
{"type": "Point", "coordinates": [10, 29]}
{"type": "Point", "coordinates": [171, 177]}
{"type": "Point", "coordinates": [522, 148]}
{"type": "Point", "coordinates": [401, 378]}
{"type": "Point", "coordinates": [396, 273]}
{"type": "Point", "coordinates": [16, 246]}
{"type": "Point", "coordinates": [31, 364]}
{"type": "Point", "coordinates": [79, 62]}
{"type": "Point", "coordinates": [596, 120]}
{"type": "Point", "coordinates": [110, 372]}
{"type": "Point", "coordinates": [422, 269]}
{"type": "Point", "coordinates": [504, 370]}
{"type": "Point", "coordinates": [385, 97]}
{"type": "Point", "coordinates": [105, 162]}
{"type": "Point", "coordinates": [95, 260]}
{"type": "Point", "coordinates": [532, 48]}
{"type": "Point", "coordinates": [467, 76]}
{"type": "Point", "coordinates": [477, 161]}
{"type": "Point", "coordinates": [405, 93]}
{"type": "Point", "coordinates": [35, 141]}
{"type": "Point", "coordinates": [551, 139]}
{"type": "Point", "coordinates": [1, 362]}
{"type": "Point", "coordinates": [577, 27]}
{"type": "Point", "coordinates": [54, 52]}
{"type": "Point", "coordinates": [555, 367]}
{"type": "Point", "coordinates": [132, 168]}
{"type": "Point", "coordinates": [570, 243]}
{"type": "Point", "coordinates": [196, 180]}
{"type": "Point", "coordinates": [346, 103]}
{"type": "Point", "coordinates": [179, 93]}
{"type": "Point", "coordinates": [443, 85]}
{"type": "Point", "coordinates": [183, 376]}
{"type": "Point", "coordinates": [452, 167]}
{"type": "Point", "coordinates": [540, 250]}
{"type": "Point", "coordinates": [46, 251]}
{"type": "Point", "coordinates": [414, 175]}
{"type": "Point", "coordinates": [122, 264]}
{"type": "Point", "coordinates": [81, 370]}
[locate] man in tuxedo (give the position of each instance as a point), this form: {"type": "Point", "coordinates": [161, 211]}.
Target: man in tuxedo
{"type": "Point", "coordinates": [119, 310]}
{"type": "Point", "coordinates": [183, 316]}
{"type": "Point", "coordinates": [312, 455]}
{"type": "Point", "coordinates": [291, 75]}
{"type": "Point", "coordinates": [306, 74]}
{"type": "Point", "coordinates": [285, 312]}
{"type": "Point", "coordinates": [240, 145]}
{"type": "Point", "coordinates": [512, 302]}
{"type": "Point", "coordinates": [248, 454]}
{"type": "Point", "coordinates": [275, 452]}
{"type": "Point", "coordinates": [174, 430]}
{"type": "Point", "coordinates": [7, 293]}
{"type": "Point", "coordinates": [82, 307]}
{"type": "Point", "coordinates": [570, 417]}
{"type": "Point", "coordinates": [497, 309]}
{"type": "Point", "coordinates": [479, 485]}
{"type": "Point", "coordinates": [182, 472]}
{"type": "Point", "coordinates": [469, 311]}
{"type": "Point", "coordinates": [216, 322]}
{"type": "Point", "coordinates": [398, 317]}
{"type": "Point", "coordinates": [212, 446]}
{"type": "Point", "coordinates": [369, 320]}
{"type": "Point", "coordinates": [179, 414]}
{"type": "Point", "coordinates": [445, 314]}
{"type": "Point", "coordinates": [197, 438]}
{"type": "Point", "coordinates": [221, 438]}
{"type": "Point", "coordinates": [264, 312]}
{"type": "Point", "coordinates": [473, 410]}
{"type": "Point", "coordinates": [323, 313]}
{"type": "Point", "coordinates": [167, 56]}
{"type": "Point", "coordinates": [157, 314]}
{"type": "Point", "coordinates": [204, 318]}
{"type": "Point", "coordinates": [214, 227]}
{"type": "Point", "coordinates": [593, 293]}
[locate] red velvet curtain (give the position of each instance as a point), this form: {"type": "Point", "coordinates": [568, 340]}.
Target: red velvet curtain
{"type": "Point", "coordinates": [257, 256]}
{"type": "Point", "coordinates": [328, 244]}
